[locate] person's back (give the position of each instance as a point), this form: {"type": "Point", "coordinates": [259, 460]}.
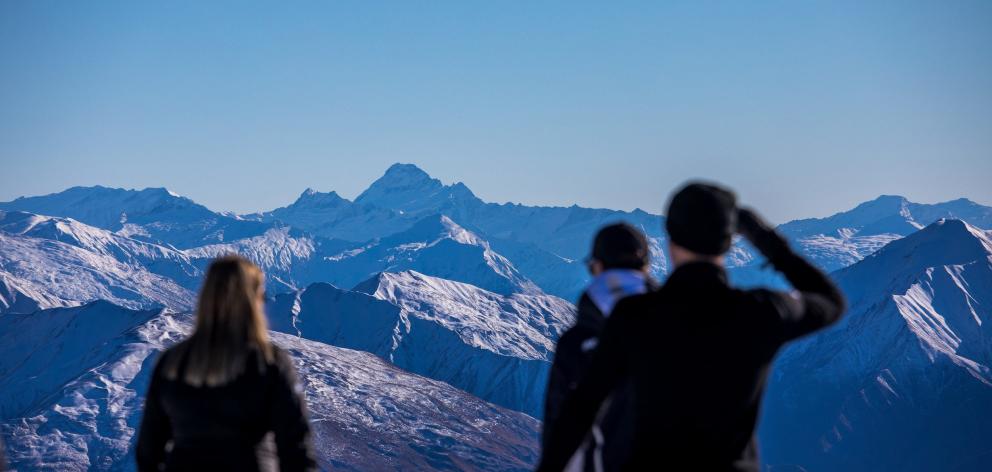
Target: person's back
{"type": "Point", "coordinates": [214, 397]}
{"type": "Point", "coordinates": [698, 368]}
{"type": "Point", "coordinates": [698, 351]}
{"type": "Point", "coordinates": [619, 263]}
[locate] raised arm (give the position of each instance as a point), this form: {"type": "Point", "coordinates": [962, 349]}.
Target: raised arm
{"type": "Point", "coordinates": [817, 302]}
{"type": "Point", "coordinates": [565, 433]}
{"type": "Point", "coordinates": [156, 429]}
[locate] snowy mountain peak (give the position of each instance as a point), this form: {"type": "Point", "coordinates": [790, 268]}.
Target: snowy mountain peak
{"type": "Point", "coordinates": [162, 192]}
{"type": "Point", "coordinates": [909, 364]}
{"type": "Point", "coordinates": [407, 188]}
{"type": "Point", "coordinates": [313, 199]}
{"type": "Point", "coordinates": [399, 179]}
{"type": "Point", "coordinates": [946, 242]}
{"type": "Point", "coordinates": [886, 200]}
{"type": "Point", "coordinates": [406, 172]}
{"type": "Point", "coordinates": [436, 227]}
{"type": "Point", "coordinates": [887, 215]}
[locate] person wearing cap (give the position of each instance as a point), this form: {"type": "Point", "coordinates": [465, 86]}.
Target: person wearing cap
{"type": "Point", "coordinates": [697, 352]}
{"type": "Point", "coordinates": [619, 268]}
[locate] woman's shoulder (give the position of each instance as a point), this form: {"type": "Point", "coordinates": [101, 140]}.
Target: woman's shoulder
{"type": "Point", "coordinates": [280, 357]}
{"type": "Point", "coordinates": [169, 356]}
{"type": "Point", "coordinates": [282, 369]}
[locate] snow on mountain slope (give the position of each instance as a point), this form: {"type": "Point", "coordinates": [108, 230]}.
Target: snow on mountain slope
{"type": "Point", "coordinates": [42, 351]}
{"type": "Point", "coordinates": [436, 246]}
{"type": "Point", "coordinates": [365, 413]}
{"type": "Point", "coordinates": [496, 347]}
{"type": "Point", "coordinates": [889, 214]}
{"type": "Point", "coordinates": [332, 216]}
{"type": "Point", "coordinates": [407, 188]}
{"type": "Point", "coordinates": [47, 273]}
{"type": "Point", "coordinates": [555, 275]}
{"type": "Point", "coordinates": [21, 297]}
{"type": "Point", "coordinates": [290, 258]}
{"type": "Point", "coordinates": [520, 325]}
{"type": "Point", "coordinates": [152, 214]}
{"type": "Point", "coordinates": [157, 259]}
{"type": "Point", "coordinates": [904, 381]}
{"type": "Point", "coordinates": [840, 240]}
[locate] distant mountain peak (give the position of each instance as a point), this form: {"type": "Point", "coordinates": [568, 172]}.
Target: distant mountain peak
{"type": "Point", "coordinates": [161, 191]}
{"type": "Point", "coordinates": [407, 188]}
{"type": "Point", "coordinates": [409, 171]}
{"type": "Point", "coordinates": [401, 177]}
{"type": "Point", "coordinates": [946, 242]}
{"type": "Point", "coordinates": [890, 198]}
{"type": "Point", "coordinates": [433, 228]}
{"type": "Point", "coordinates": [313, 198]}
{"type": "Point", "coordinates": [883, 204]}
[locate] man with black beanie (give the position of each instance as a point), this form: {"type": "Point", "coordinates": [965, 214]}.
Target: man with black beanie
{"type": "Point", "coordinates": [696, 352]}
{"type": "Point", "coordinates": [619, 266]}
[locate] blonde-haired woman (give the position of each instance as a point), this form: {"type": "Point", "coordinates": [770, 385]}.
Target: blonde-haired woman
{"type": "Point", "coordinates": [214, 397]}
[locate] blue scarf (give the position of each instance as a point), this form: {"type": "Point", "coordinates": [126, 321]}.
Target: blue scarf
{"type": "Point", "coordinates": [607, 288]}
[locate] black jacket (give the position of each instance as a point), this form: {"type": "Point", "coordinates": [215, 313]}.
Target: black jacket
{"type": "Point", "coordinates": [697, 353]}
{"type": "Point", "coordinates": [222, 428]}
{"type": "Point", "coordinates": [573, 355]}
{"type": "Point", "coordinates": [571, 359]}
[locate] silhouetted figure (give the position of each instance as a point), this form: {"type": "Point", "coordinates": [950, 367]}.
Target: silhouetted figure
{"type": "Point", "coordinates": [697, 351]}
{"type": "Point", "coordinates": [619, 266]}
{"type": "Point", "coordinates": [216, 395]}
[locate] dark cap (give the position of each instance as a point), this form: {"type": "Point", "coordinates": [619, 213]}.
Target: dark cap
{"type": "Point", "coordinates": [620, 246]}
{"type": "Point", "coordinates": [702, 218]}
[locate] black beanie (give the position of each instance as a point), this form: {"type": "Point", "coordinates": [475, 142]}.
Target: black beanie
{"type": "Point", "coordinates": [621, 246]}
{"type": "Point", "coordinates": [702, 218]}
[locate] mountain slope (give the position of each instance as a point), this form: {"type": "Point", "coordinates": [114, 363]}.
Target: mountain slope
{"type": "Point", "coordinates": [366, 414]}
{"type": "Point", "coordinates": [496, 347]}
{"type": "Point", "coordinates": [845, 238]}
{"type": "Point", "coordinates": [152, 214]}
{"type": "Point", "coordinates": [289, 258]}
{"type": "Point", "coordinates": [436, 246]}
{"type": "Point", "coordinates": [46, 273]}
{"type": "Point", "coordinates": [157, 259]}
{"type": "Point", "coordinates": [889, 214]}
{"type": "Point", "coordinates": [330, 215]}
{"type": "Point", "coordinates": [902, 382]}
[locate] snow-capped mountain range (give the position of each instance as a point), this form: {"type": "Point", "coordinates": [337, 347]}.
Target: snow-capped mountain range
{"type": "Point", "coordinates": [497, 347]}
{"type": "Point", "coordinates": [460, 300]}
{"type": "Point", "coordinates": [366, 414]}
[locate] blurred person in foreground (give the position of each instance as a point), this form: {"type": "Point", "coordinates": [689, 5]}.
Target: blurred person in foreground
{"type": "Point", "coordinates": [215, 397]}
{"type": "Point", "coordinates": [697, 351]}
{"type": "Point", "coordinates": [619, 267]}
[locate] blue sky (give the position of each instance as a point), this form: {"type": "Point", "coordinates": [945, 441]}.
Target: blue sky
{"type": "Point", "coordinates": [806, 108]}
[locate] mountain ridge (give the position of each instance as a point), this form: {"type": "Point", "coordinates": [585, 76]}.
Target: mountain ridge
{"type": "Point", "coordinates": [911, 357]}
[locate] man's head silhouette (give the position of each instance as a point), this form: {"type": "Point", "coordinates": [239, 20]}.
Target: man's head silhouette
{"type": "Point", "coordinates": [701, 222]}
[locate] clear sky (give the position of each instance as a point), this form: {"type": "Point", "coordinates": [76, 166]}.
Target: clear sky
{"type": "Point", "coordinates": [805, 107]}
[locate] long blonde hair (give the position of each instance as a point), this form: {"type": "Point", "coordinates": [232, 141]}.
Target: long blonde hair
{"type": "Point", "coordinates": [230, 323]}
